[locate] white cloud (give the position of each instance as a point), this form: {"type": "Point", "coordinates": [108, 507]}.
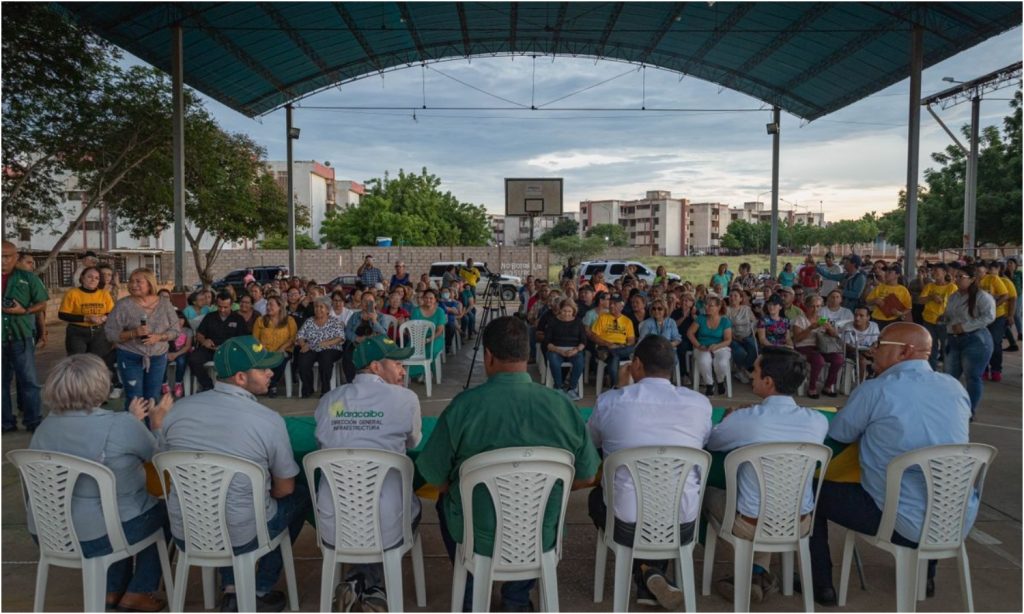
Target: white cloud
{"type": "Point", "coordinates": [560, 161]}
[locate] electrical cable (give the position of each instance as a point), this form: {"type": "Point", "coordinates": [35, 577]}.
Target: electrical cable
{"type": "Point", "coordinates": [473, 87]}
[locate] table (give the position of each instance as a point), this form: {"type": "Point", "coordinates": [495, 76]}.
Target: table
{"type": "Point", "coordinates": [845, 466]}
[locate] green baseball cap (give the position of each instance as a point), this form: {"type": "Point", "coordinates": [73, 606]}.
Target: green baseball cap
{"type": "Point", "coordinates": [244, 353]}
{"type": "Point", "coordinates": [378, 348]}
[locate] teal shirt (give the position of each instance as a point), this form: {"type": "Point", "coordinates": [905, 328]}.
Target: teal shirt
{"type": "Point", "coordinates": [508, 410]}
{"type": "Point", "coordinates": [27, 289]}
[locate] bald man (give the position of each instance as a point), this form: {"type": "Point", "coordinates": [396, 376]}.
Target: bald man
{"type": "Point", "coordinates": [908, 406]}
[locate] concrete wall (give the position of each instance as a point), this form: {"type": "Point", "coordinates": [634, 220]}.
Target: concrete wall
{"type": "Point", "coordinates": [326, 264]}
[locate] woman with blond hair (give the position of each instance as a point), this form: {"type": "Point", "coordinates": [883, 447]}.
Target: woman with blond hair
{"type": "Point", "coordinates": [77, 425]}
{"type": "Point", "coordinates": [141, 324]}
{"type": "Point", "coordinates": [276, 330]}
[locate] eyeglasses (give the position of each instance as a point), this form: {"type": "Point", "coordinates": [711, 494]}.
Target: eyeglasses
{"type": "Point", "coordinates": [881, 342]}
{"type": "Point", "coordinates": [657, 309]}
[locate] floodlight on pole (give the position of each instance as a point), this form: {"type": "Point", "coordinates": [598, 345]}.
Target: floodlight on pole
{"type": "Point", "coordinates": [293, 133]}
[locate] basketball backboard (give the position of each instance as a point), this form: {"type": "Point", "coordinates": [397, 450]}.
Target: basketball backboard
{"type": "Point", "coordinates": [533, 197]}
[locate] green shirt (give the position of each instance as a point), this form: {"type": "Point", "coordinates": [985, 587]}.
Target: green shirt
{"type": "Point", "coordinates": [508, 410]}
{"type": "Point", "coordinates": [27, 289]}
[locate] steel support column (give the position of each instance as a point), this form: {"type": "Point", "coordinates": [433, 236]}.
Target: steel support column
{"type": "Point", "coordinates": [291, 192]}
{"type": "Point", "coordinates": [913, 151]}
{"type": "Point", "coordinates": [774, 244]}
{"type": "Point", "coordinates": [178, 146]}
{"type": "Point", "coordinates": [971, 188]}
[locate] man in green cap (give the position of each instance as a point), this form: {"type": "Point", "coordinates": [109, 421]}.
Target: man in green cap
{"type": "Point", "coordinates": [373, 411]}
{"type": "Point", "coordinates": [228, 419]}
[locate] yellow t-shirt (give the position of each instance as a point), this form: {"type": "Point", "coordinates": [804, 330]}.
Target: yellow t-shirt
{"type": "Point", "coordinates": [274, 339]}
{"type": "Point", "coordinates": [933, 311]}
{"type": "Point", "coordinates": [996, 286]}
{"type": "Point", "coordinates": [81, 303]}
{"type": "Point", "coordinates": [612, 329]}
{"type": "Point", "coordinates": [883, 290]}
{"type": "Point", "coordinates": [470, 275]}
{"type": "Point", "coordinates": [1004, 309]}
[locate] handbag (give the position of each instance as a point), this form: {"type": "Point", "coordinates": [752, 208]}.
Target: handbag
{"type": "Point", "coordinates": [827, 344]}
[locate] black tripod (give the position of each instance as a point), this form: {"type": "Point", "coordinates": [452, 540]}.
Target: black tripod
{"type": "Point", "coordinates": [492, 303]}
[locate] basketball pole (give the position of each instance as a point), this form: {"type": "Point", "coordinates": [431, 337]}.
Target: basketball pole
{"type": "Point", "coordinates": [533, 220]}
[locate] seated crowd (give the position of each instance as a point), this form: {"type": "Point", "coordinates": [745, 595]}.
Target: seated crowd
{"type": "Point", "coordinates": [764, 331]}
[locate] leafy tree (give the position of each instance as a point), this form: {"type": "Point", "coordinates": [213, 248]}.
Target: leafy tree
{"type": "Point", "coordinates": [280, 241]}
{"type": "Point", "coordinates": [564, 227]}
{"type": "Point", "coordinates": [412, 210]}
{"type": "Point", "coordinates": [230, 196]}
{"type": "Point", "coordinates": [580, 249]}
{"type": "Point", "coordinates": [803, 236]}
{"type": "Point", "coordinates": [616, 234]}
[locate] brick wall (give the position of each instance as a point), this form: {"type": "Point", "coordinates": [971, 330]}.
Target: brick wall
{"type": "Point", "coordinates": [326, 264]}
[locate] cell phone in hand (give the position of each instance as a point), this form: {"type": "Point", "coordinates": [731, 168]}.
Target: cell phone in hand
{"type": "Point", "coordinates": [142, 322]}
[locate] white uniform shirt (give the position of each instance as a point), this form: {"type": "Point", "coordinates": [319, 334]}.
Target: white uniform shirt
{"type": "Point", "coordinates": [776, 418]}
{"type": "Point", "coordinates": [651, 412]}
{"type": "Point", "coordinates": [369, 413]}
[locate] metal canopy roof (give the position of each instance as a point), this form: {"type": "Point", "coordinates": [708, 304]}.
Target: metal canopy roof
{"type": "Point", "coordinates": [808, 58]}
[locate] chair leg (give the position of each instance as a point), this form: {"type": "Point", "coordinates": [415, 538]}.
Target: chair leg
{"type": "Point", "coordinates": [289, 573]}
{"type": "Point", "coordinates": [482, 584]}
{"type": "Point", "coordinates": [684, 577]}
{"type": "Point", "coordinates": [209, 587]}
{"type": "Point", "coordinates": [860, 569]}
{"type": "Point", "coordinates": [458, 581]}
{"type": "Point", "coordinates": [94, 584]}
{"type": "Point", "coordinates": [844, 571]}
{"type": "Point", "coordinates": [922, 579]}
{"type": "Point", "coordinates": [418, 575]}
{"type": "Point", "coordinates": [709, 560]}
{"type": "Point", "coordinates": [328, 580]}
{"type": "Point", "coordinates": [599, 379]}
{"type": "Point", "coordinates": [393, 579]}
{"type": "Point", "coordinates": [165, 564]}
{"type": "Point", "coordinates": [906, 580]}
{"type": "Point", "coordinates": [743, 564]}
{"type": "Point", "coordinates": [42, 572]}
{"type": "Point", "coordinates": [245, 582]}
{"type": "Point", "coordinates": [805, 574]}
{"type": "Point", "coordinates": [549, 582]}
{"type": "Point", "coordinates": [181, 583]}
{"type": "Point", "coordinates": [787, 574]}
{"type": "Point", "coordinates": [728, 385]}
{"type": "Point", "coordinates": [964, 567]}
{"type": "Point", "coordinates": [600, 562]}
{"type": "Point", "coordinates": [621, 582]}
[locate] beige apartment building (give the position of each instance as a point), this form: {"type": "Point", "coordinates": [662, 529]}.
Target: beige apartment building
{"type": "Point", "coordinates": [657, 221]}
{"type": "Point", "coordinates": [706, 226]}
{"type": "Point", "coordinates": [757, 211]}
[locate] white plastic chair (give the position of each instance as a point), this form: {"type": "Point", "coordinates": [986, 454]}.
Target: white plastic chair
{"type": "Point", "coordinates": [550, 380]}
{"type": "Point", "coordinates": [201, 481]}
{"type": "Point", "coordinates": [48, 481]}
{"type": "Point", "coordinates": [951, 474]}
{"type": "Point", "coordinates": [599, 380]}
{"type": "Point", "coordinates": [519, 482]}
{"type": "Point", "coordinates": [355, 478]}
{"type": "Point", "coordinates": [783, 471]}
{"type": "Point", "coordinates": [695, 375]}
{"type": "Point", "coordinates": [421, 339]}
{"type": "Point", "coordinates": [659, 475]}
{"type": "Point", "coordinates": [192, 382]}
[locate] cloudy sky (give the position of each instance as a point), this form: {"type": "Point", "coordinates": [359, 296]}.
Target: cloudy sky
{"type": "Point", "coordinates": [846, 163]}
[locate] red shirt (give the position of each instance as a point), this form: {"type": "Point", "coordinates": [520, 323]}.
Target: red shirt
{"type": "Point", "coordinates": [808, 277]}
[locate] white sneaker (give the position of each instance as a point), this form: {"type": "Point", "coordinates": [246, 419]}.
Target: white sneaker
{"type": "Point", "coordinates": [742, 376]}
{"type": "Point", "coordinates": [115, 393]}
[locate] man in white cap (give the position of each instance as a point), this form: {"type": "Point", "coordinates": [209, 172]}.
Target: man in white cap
{"type": "Point", "coordinates": [373, 411]}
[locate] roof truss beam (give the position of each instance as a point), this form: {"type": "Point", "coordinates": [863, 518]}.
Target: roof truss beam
{"type": "Point", "coordinates": [357, 33]}
{"type": "Point", "coordinates": [730, 22]}
{"type": "Point", "coordinates": [674, 16]}
{"type": "Point", "coordinates": [460, 7]}
{"type": "Point", "coordinates": [403, 10]}
{"type": "Point", "coordinates": [513, 19]}
{"type": "Point", "coordinates": [609, 26]}
{"type": "Point", "coordinates": [297, 39]}
{"type": "Point", "coordinates": [563, 8]}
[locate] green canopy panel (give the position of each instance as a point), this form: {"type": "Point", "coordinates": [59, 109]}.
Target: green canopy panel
{"type": "Point", "coordinates": [809, 58]}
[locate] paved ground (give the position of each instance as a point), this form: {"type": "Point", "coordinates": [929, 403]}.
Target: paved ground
{"type": "Point", "coordinates": [994, 546]}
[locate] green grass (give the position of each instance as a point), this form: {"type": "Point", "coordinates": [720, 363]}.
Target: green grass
{"type": "Point", "coordinates": [699, 269]}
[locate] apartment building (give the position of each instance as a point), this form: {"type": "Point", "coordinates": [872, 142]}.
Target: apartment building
{"type": "Point", "coordinates": [514, 230]}
{"type": "Point", "coordinates": [315, 188]}
{"type": "Point", "coordinates": [707, 223]}
{"type": "Point", "coordinates": [657, 221]}
{"type": "Point", "coordinates": [348, 193]}
{"type": "Point", "coordinates": [757, 211]}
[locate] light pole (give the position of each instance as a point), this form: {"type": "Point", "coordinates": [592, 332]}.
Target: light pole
{"type": "Point", "coordinates": [292, 135]}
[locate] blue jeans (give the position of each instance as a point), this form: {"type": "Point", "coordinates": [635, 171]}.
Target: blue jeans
{"type": "Point", "coordinates": [616, 355]}
{"type": "Point", "coordinates": [146, 578]}
{"type": "Point", "coordinates": [997, 329]}
{"type": "Point", "coordinates": [555, 365]}
{"type": "Point", "coordinates": [19, 363]}
{"type": "Point", "coordinates": [138, 382]}
{"type": "Point", "coordinates": [744, 352]}
{"type": "Point", "coordinates": [850, 506]}
{"type": "Point", "coordinates": [513, 594]}
{"type": "Point", "coordinates": [291, 514]}
{"type": "Point", "coordinates": [469, 321]}
{"type": "Point", "coordinates": [179, 368]}
{"type": "Point", "coordinates": [968, 354]}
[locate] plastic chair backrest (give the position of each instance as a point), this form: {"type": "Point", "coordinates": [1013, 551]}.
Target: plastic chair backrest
{"type": "Point", "coordinates": [201, 481]}
{"type": "Point", "coordinates": [355, 477]}
{"type": "Point", "coordinates": [48, 481]}
{"type": "Point", "coordinates": [388, 322]}
{"type": "Point", "coordinates": [659, 475]}
{"type": "Point", "coordinates": [951, 473]}
{"type": "Point", "coordinates": [783, 471]}
{"type": "Point", "coordinates": [519, 482]}
{"type": "Point", "coordinates": [419, 332]}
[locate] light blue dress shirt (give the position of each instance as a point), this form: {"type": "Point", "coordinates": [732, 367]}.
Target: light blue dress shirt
{"type": "Point", "coordinates": [776, 419]}
{"type": "Point", "coordinates": [907, 407]}
{"type": "Point", "coordinates": [668, 329]}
